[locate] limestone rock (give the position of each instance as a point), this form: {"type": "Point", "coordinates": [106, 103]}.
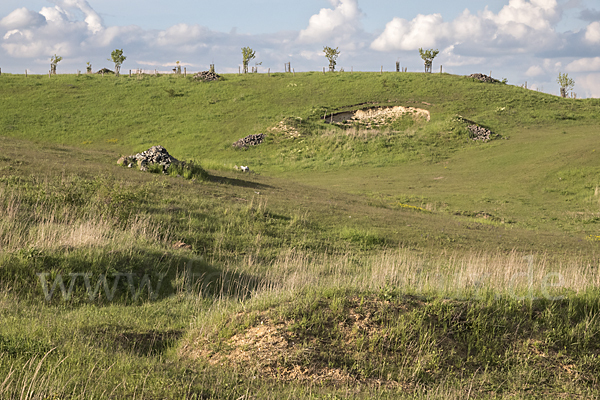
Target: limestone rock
{"type": "Point", "coordinates": [250, 140]}
{"type": "Point", "coordinates": [154, 155]}
{"type": "Point", "coordinates": [483, 78]}
{"type": "Point", "coordinates": [207, 76]}
{"type": "Point", "coordinates": [480, 133]}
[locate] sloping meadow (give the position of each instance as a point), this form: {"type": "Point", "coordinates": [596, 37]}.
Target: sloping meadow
{"type": "Point", "coordinates": [116, 283]}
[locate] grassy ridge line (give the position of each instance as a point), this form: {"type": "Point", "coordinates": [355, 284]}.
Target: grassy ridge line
{"type": "Point", "coordinates": [202, 119]}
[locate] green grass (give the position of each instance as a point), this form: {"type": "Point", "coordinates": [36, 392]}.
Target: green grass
{"type": "Point", "coordinates": [404, 261]}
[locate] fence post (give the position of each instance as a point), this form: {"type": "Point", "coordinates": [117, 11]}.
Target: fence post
{"type": "Point", "coordinates": [269, 73]}
{"type": "Point", "coordinates": [294, 70]}
{"type": "Point", "coordinates": [184, 72]}
{"type": "Point", "coordinates": [397, 66]}
{"type": "Point", "coordinates": [323, 70]}
{"type": "Point", "coordinates": [440, 68]}
{"type": "Point", "coordinates": [381, 72]}
{"type": "Point", "coordinates": [49, 74]}
{"type": "Point", "coordinates": [351, 69]}
{"type": "Point", "coordinates": [130, 73]}
{"type": "Point", "coordinates": [25, 73]}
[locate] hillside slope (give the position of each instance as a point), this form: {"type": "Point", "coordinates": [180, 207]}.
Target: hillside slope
{"type": "Point", "coordinates": [541, 176]}
{"type": "Point", "coordinates": [403, 260]}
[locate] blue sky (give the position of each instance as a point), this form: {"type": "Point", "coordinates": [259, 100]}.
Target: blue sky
{"type": "Point", "coordinates": [521, 40]}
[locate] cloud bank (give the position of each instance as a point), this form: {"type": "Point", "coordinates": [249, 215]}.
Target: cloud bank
{"type": "Point", "coordinates": [520, 26]}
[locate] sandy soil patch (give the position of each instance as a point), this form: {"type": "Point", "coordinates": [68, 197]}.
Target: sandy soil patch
{"type": "Point", "coordinates": [379, 116]}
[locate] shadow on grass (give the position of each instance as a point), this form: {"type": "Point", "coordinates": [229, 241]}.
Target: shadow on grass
{"type": "Point", "coordinates": [84, 276]}
{"type": "Point", "coordinates": [124, 338]}
{"type": "Point", "coordinates": [238, 182]}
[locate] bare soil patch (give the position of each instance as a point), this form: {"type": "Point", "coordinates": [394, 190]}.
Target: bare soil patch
{"type": "Point", "coordinates": [373, 117]}
{"type": "Point", "coordinates": [279, 349]}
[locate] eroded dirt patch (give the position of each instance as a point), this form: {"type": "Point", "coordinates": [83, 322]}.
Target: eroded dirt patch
{"type": "Point", "coordinates": [286, 350]}
{"type": "Point", "coordinates": [373, 117]}
{"type": "Point", "coordinates": [286, 127]}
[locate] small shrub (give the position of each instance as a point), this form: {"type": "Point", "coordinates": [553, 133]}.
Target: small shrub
{"type": "Point", "coordinates": [155, 168]}
{"type": "Point", "coordinates": [188, 170]}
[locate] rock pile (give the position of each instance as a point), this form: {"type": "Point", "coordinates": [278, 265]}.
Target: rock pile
{"type": "Point", "coordinates": [250, 140]}
{"type": "Point", "coordinates": [480, 133]}
{"type": "Point", "coordinates": [483, 78]}
{"type": "Point", "coordinates": [207, 76]}
{"type": "Point", "coordinates": [154, 155]}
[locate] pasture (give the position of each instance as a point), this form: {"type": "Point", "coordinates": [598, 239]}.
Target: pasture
{"type": "Point", "coordinates": [389, 259]}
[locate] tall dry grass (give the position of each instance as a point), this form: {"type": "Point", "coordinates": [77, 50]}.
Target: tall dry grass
{"type": "Point", "coordinates": [49, 225]}
{"type": "Point", "coordinates": [460, 276]}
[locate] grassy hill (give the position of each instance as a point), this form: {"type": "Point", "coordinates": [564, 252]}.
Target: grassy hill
{"type": "Point", "coordinates": [401, 260]}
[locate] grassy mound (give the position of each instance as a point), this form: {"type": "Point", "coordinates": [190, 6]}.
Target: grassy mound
{"type": "Point", "coordinates": [400, 342]}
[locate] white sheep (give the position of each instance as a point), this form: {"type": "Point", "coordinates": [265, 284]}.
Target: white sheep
{"type": "Point", "coordinates": [245, 168]}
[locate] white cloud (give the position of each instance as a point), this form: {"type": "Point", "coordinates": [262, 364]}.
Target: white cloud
{"type": "Point", "coordinates": [592, 32]}
{"type": "Point", "coordinates": [519, 25]}
{"type": "Point", "coordinates": [449, 59]}
{"type": "Point", "coordinates": [534, 70]}
{"type": "Point", "coordinates": [340, 22]}
{"type": "Point", "coordinates": [22, 18]}
{"type": "Point", "coordinates": [56, 36]}
{"type": "Point", "coordinates": [400, 34]}
{"type": "Point", "coordinates": [55, 14]}
{"type": "Point", "coordinates": [61, 14]}
{"type": "Point", "coordinates": [92, 19]}
{"type": "Point", "coordinates": [115, 35]}
{"type": "Point", "coordinates": [591, 83]}
{"type": "Point", "coordinates": [182, 34]}
{"type": "Point", "coordinates": [584, 64]}
{"type": "Point", "coordinates": [540, 15]}
{"type": "Point", "coordinates": [311, 55]}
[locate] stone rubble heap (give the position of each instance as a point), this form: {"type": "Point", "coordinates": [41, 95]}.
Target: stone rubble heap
{"type": "Point", "coordinates": [207, 76]}
{"type": "Point", "coordinates": [480, 133]}
{"type": "Point", "coordinates": [154, 155]}
{"type": "Point", "coordinates": [483, 78]}
{"type": "Point", "coordinates": [250, 140]}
